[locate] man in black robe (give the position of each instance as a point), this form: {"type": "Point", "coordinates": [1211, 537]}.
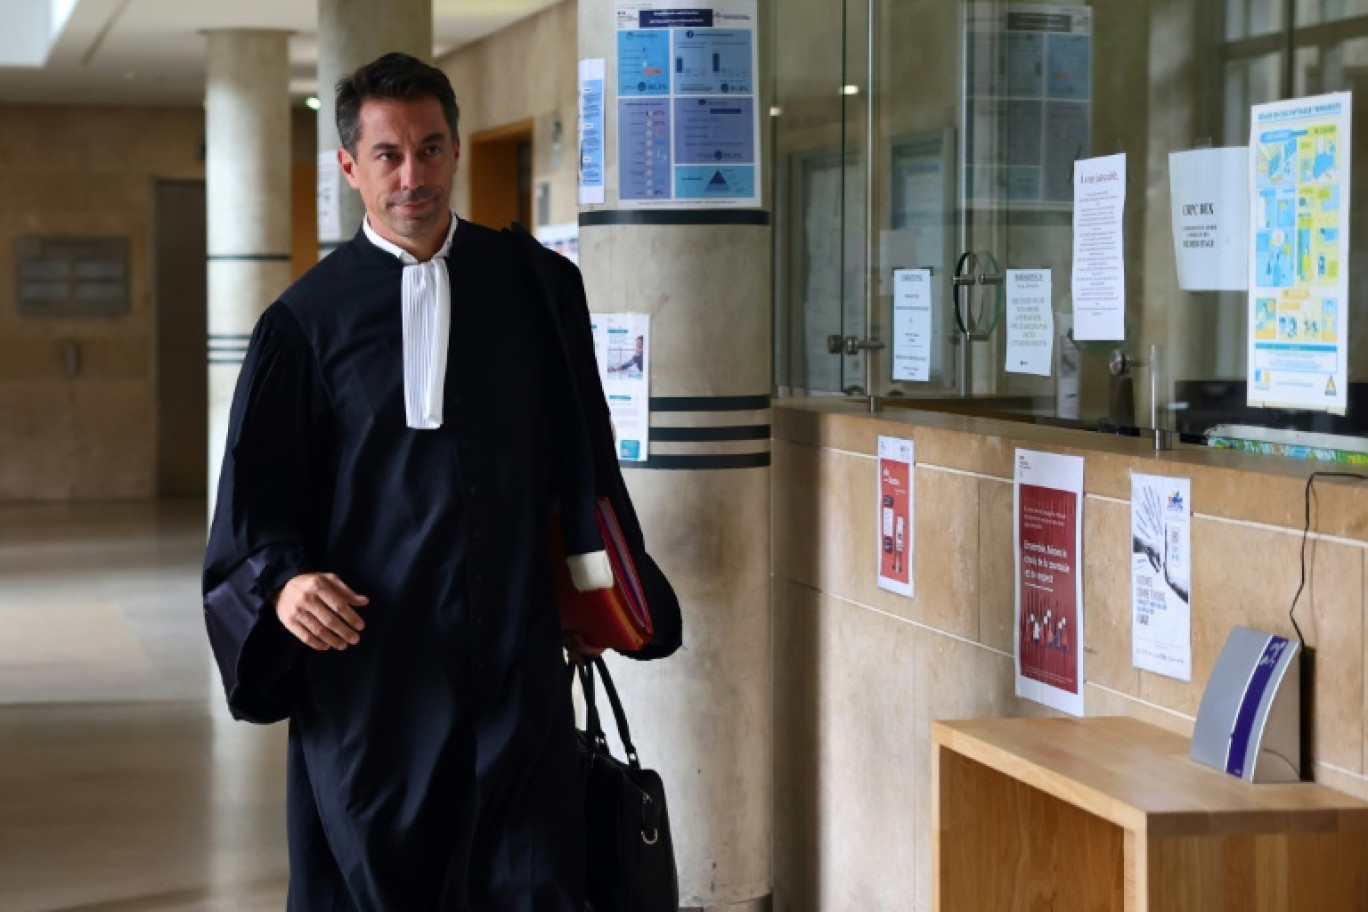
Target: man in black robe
{"type": "Point", "coordinates": [377, 568]}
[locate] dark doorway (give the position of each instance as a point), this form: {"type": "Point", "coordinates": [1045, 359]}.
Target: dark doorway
{"type": "Point", "coordinates": [180, 300]}
{"type": "Point", "coordinates": [501, 175]}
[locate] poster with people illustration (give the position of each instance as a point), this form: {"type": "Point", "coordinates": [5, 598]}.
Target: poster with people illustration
{"type": "Point", "coordinates": [1047, 525]}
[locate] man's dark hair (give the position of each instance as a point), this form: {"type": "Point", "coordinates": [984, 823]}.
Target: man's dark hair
{"type": "Point", "coordinates": [394, 75]}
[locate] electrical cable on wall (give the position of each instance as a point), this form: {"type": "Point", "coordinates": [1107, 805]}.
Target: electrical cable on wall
{"type": "Point", "coordinates": [1306, 534]}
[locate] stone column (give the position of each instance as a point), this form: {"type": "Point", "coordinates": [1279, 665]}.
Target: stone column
{"type": "Point", "coordinates": [702, 717]}
{"type": "Point", "coordinates": [247, 139]}
{"type": "Point", "coordinates": [352, 33]}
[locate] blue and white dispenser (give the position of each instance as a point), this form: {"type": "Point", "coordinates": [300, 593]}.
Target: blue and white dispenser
{"type": "Point", "coordinates": [1250, 722]}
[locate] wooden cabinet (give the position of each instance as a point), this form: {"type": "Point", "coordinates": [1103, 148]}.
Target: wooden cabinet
{"type": "Point", "coordinates": [1110, 814]}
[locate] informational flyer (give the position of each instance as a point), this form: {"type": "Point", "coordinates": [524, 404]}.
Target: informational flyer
{"type": "Point", "coordinates": [1099, 252]}
{"type": "Point", "coordinates": [1028, 104]}
{"type": "Point", "coordinates": [1030, 322]}
{"type": "Point", "coordinates": [591, 79]}
{"type": "Point", "coordinates": [329, 196]}
{"type": "Point", "coordinates": [896, 499]}
{"type": "Point", "coordinates": [622, 345]}
{"type": "Point", "coordinates": [912, 324]}
{"type": "Point", "coordinates": [1161, 575]}
{"type": "Point", "coordinates": [1209, 195]}
{"type": "Point", "coordinates": [1048, 533]}
{"type": "Point", "coordinates": [688, 119]}
{"type": "Point", "coordinates": [1299, 271]}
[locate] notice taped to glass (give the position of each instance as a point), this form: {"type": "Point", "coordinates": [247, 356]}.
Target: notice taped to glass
{"type": "Point", "coordinates": [1048, 534]}
{"type": "Point", "coordinates": [1299, 245]}
{"type": "Point", "coordinates": [1099, 248]}
{"type": "Point", "coordinates": [688, 118]}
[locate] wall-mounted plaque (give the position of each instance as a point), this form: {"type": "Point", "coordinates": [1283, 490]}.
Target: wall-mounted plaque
{"type": "Point", "coordinates": [71, 277]}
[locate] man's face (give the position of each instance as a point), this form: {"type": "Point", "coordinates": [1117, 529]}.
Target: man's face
{"type": "Point", "coordinates": [404, 166]}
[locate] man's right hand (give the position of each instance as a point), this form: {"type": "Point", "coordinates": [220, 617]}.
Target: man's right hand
{"type": "Point", "coordinates": [318, 609]}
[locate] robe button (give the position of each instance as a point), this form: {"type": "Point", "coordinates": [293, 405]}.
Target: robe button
{"type": "Point", "coordinates": [476, 534]}
{"type": "Point", "coordinates": [471, 490]}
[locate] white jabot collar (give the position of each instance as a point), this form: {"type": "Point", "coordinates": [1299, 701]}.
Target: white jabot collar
{"type": "Point", "coordinates": [426, 297]}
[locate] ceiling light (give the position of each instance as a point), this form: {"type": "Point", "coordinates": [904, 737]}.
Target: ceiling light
{"type": "Point", "coordinates": [775, 111]}
{"type": "Point", "coordinates": [312, 103]}
{"type": "Point", "coordinates": [850, 90]}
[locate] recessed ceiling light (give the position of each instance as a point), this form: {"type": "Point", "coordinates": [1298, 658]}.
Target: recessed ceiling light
{"type": "Point", "coordinates": [850, 90]}
{"type": "Point", "coordinates": [312, 103]}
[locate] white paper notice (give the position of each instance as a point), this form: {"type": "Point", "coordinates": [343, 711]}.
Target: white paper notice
{"type": "Point", "coordinates": [1299, 265]}
{"type": "Point", "coordinates": [896, 509]}
{"type": "Point", "coordinates": [1161, 575]}
{"type": "Point", "coordinates": [622, 344]}
{"type": "Point", "coordinates": [1030, 322]}
{"type": "Point", "coordinates": [1099, 253]}
{"type": "Point", "coordinates": [912, 324]}
{"type": "Point", "coordinates": [329, 197]}
{"type": "Point", "coordinates": [591, 80]}
{"type": "Point", "coordinates": [1048, 527]}
{"type": "Point", "coordinates": [1209, 192]}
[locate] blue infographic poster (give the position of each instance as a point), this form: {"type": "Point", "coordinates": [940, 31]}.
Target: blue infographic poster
{"type": "Point", "coordinates": [1299, 268]}
{"type": "Point", "coordinates": [688, 119]}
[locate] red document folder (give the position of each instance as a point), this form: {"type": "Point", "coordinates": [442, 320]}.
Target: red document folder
{"type": "Point", "coordinates": [613, 618]}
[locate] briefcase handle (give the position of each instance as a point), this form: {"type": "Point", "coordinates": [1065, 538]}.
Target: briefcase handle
{"type": "Point", "coordinates": [594, 726]}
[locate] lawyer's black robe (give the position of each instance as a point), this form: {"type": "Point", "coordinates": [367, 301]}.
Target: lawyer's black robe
{"type": "Point", "coordinates": [432, 766]}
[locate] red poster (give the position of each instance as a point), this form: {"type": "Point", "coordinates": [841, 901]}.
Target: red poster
{"type": "Point", "coordinates": [1049, 608]}
{"type": "Point", "coordinates": [1049, 583]}
{"type": "Point", "coordinates": [895, 515]}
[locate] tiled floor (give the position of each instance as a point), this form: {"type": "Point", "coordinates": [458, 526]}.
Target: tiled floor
{"type": "Point", "coordinates": [124, 786]}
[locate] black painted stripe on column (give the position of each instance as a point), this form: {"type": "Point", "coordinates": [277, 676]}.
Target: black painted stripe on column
{"type": "Point", "coordinates": [703, 461]}
{"type": "Point", "coordinates": [709, 434]}
{"type": "Point", "coordinates": [250, 257]}
{"type": "Point", "coordinates": [599, 217]}
{"type": "Point", "coordinates": [709, 403]}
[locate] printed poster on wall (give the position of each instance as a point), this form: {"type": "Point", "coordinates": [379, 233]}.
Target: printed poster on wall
{"type": "Point", "coordinates": [1099, 250]}
{"type": "Point", "coordinates": [622, 345]}
{"type": "Point", "coordinates": [1299, 271]}
{"type": "Point", "coordinates": [1209, 197]}
{"type": "Point", "coordinates": [912, 324]}
{"type": "Point", "coordinates": [329, 193]}
{"type": "Point", "coordinates": [896, 500]}
{"type": "Point", "coordinates": [1048, 535]}
{"type": "Point", "coordinates": [688, 104]}
{"type": "Point", "coordinates": [591, 80]}
{"type": "Point", "coordinates": [1161, 575]}
{"type": "Point", "coordinates": [1030, 322]}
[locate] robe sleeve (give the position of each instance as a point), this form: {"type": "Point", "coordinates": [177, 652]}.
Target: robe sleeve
{"type": "Point", "coordinates": [575, 323]}
{"type": "Point", "coordinates": [259, 538]}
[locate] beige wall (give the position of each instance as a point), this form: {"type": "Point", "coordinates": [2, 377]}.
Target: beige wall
{"type": "Point", "coordinates": [79, 171]}
{"type": "Point", "coordinates": [860, 672]}
{"type": "Point", "coordinates": [528, 71]}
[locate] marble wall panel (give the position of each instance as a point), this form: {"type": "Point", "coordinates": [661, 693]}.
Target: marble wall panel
{"type": "Point", "coordinates": [1107, 596]}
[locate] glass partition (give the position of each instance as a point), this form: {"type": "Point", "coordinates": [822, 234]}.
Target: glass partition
{"type": "Point", "coordinates": [942, 135]}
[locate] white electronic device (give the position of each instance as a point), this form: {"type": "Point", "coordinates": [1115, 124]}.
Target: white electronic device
{"type": "Point", "coordinates": [1249, 724]}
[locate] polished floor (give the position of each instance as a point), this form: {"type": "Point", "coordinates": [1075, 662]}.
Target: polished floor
{"type": "Point", "coordinates": [124, 786]}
